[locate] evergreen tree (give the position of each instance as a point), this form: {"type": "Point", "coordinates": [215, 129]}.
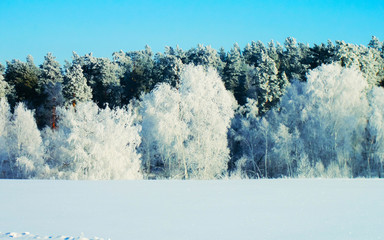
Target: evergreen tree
{"type": "Point", "coordinates": [50, 91]}
{"type": "Point", "coordinates": [376, 44]}
{"type": "Point", "coordinates": [265, 85]}
{"type": "Point", "coordinates": [23, 77]}
{"type": "Point", "coordinates": [124, 67]}
{"type": "Point", "coordinates": [295, 59]}
{"type": "Point", "coordinates": [167, 68]}
{"type": "Point", "coordinates": [234, 74]}
{"type": "Point", "coordinates": [205, 56]}
{"type": "Point", "coordinates": [140, 79]}
{"type": "Point", "coordinates": [75, 86]}
{"type": "Point", "coordinates": [367, 60]}
{"type": "Point", "coordinates": [322, 54]}
{"type": "Point", "coordinates": [253, 53]}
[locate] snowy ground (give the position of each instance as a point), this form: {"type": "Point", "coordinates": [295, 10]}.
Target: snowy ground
{"type": "Point", "coordinates": [249, 209]}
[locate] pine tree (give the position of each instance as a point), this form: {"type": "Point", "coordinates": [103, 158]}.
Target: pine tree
{"type": "Point", "coordinates": [265, 84]}
{"type": "Point", "coordinates": [50, 91]}
{"type": "Point", "coordinates": [368, 60]}
{"type": "Point", "coordinates": [253, 53]}
{"type": "Point", "coordinates": [205, 56]}
{"type": "Point", "coordinates": [140, 79]}
{"type": "Point", "coordinates": [234, 74]}
{"type": "Point", "coordinates": [295, 59]}
{"type": "Point", "coordinates": [376, 44]}
{"type": "Point", "coordinates": [75, 86]}
{"type": "Point", "coordinates": [23, 77]}
{"type": "Point", "coordinates": [167, 68]}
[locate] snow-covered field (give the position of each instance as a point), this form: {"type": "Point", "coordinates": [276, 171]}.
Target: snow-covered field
{"type": "Point", "coordinates": [244, 209]}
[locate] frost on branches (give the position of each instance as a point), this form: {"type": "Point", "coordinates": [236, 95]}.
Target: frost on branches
{"type": "Point", "coordinates": [185, 129]}
{"type": "Point", "coordinates": [93, 143]}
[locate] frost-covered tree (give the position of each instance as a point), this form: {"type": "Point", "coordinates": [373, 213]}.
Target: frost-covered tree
{"type": "Point", "coordinates": [333, 117]}
{"type": "Point", "coordinates": [318, 129]}
{"type": "Point", "coordinates": [124, 68]}
{"type": "Point", "coordinates": [94, 143]}
{"type": "Point", "coordinates": [167, 68]}
{"type": "Point", "coordinates": [50, 91]}
{"type": "Point", "coordinates": [163, 133]}
{"type": "Point", "coordinates": [207, 109]}
{"type": "Point", "coordinates": [140, 79]}
{"type": "Point", "coordinates": [374, 144]}
{"type": "Point", "coordinates": [205, 56]}
{"type": "Point", "coordinates": [368, 60]}
{"type": "Point", "coordinates": [322, 54]}
{"type": "Point", "coordinates": [252, 53]}
{"type": "Point", "coordinates": [75, 86]}
{"type": "Point", "coordinates": [5, 89]}
{"type": "Point", "coordinates": [24, 146]}
{"type": "Point", "coordinates": [234, 73]}
{"type": "Point", "coordinates": [375, 43]}
{"type": "Point", "coordinates": [264, 83]}
{"type": "Point", "coordinates": [103, 76]}
{"type": "Point", "coordinates": [295, 60]}
{"type": "Point", "coordinates": [5, 117]}
{"type": "Point", "coordinates": [198, 115]}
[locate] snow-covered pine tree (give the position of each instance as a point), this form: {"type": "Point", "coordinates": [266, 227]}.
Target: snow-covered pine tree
{"type": "Point", "coordinates": [50, 91]}
{"type": "Point", "coordinates": [376, 44]}
{"type": "Point", "coordinates": [368, 60]}
{"type": "Point", "coordinates": [75, 86]}
{"type": "Point", "coordinates": [252, 53]}
{"type": "Point", "coordinates": [140, 79]}
{"type": "Point", "coordinates": [294, 59]}
{"type": "Point", "coordinates": [265, 85]}
{"type": "Point", "coordinates": [234, 73]}
{"type": "Point", "coordinates": [167, 69]}
{"type": "Point", "coordinates": [205, 56]}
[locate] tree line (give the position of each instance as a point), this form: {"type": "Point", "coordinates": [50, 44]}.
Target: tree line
{"type": "Point", "coordinates": [263, 111]}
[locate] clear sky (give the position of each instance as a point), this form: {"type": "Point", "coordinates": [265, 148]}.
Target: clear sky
{"type": "Point", "coordinates": [61, 26]}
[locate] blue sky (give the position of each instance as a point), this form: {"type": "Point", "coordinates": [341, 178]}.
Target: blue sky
{"type": "Point", "coordinates": [102, 27]}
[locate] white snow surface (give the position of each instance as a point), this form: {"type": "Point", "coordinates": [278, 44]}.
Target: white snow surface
{"type": "Point", "coordinates": [227, 209]}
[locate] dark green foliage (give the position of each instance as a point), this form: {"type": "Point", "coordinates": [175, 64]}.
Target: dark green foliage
{"type": "Point", "coordinates": [24, 78]}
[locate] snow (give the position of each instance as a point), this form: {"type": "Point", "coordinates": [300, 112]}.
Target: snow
{"type": "Point", "coordinates": [236, 209]}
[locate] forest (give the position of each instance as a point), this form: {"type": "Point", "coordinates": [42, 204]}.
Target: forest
{"type": "Point", "coordinates": [264, 111]}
